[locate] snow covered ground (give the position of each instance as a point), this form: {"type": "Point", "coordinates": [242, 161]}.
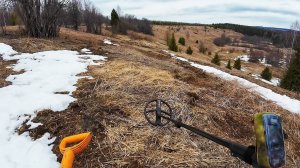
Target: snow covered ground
{"type": "Point", "coordinates": [284, 101]}
{"type": "Point", "coordinates": [46, 73]}
{"type": "Point", "coordinates": [273, 81]}
{"type": "Point", "coordinates": [245, 58]}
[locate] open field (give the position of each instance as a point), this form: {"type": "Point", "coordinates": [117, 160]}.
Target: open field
{"type": "Point", "coordinates": [111, 105]}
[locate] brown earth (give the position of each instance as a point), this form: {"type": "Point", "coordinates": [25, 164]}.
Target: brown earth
{"type": "Point", "coordinates": [111, 106]}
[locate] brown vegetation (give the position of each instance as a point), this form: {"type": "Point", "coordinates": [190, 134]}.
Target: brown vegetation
{"type": "Point", "coordinates": [111, 105]}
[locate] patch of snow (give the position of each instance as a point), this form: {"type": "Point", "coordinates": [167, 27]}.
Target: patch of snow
{"type": "Point", "coordinates": [84, 50]}
{"type": "Point", "coordinates": [108, 41]}
{"type": "Point", "coordinates": [245, 58]}
{"type": "Point", "coordinates": [6, 50]}
{"type": "Point", "coordinates": [264, 61]}
{"type": "Point", "coordinates": [283, 101]}
{"type": "Point", "coordinates": [273, 81]}
{"type": "Point", "coordinates": [243, 69]}
{"type": "Point", "coordinates": [46, 73]}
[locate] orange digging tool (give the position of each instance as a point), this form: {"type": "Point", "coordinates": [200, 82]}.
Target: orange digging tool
{"type": "Point", "coordinates": [70, 152]}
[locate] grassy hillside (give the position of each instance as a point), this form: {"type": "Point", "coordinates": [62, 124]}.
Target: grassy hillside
{"type": "Point", "coordinates": [111, 105]}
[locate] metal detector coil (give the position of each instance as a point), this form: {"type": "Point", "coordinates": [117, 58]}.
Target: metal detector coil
{"type": "Point", "coordinates": [268, 153]}
{"type": "Point", "coordinates": [156, 112]}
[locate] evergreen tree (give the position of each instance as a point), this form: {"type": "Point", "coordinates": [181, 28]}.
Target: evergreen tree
{"type": "Point", "coordinates": [115, 20]}
{"type": "Point", "coordinates": [168, 38]}
{"type": "Point", "coordinates": [266, 74]}
{"type": "Point", "coordinates": [291, 79]}
{"type": "Point", "coordinates": [237, 64]}
{"type": "Point", "coordinates": [216, 60]}
{"type": "Point", "coordinates": [189, 51]}
{"type": "Point", "coordinates": [172, 44]}
{"type": "Point", "coordinates": [181, 41]}
{"type": "Point", "coordinates": [229, 65]}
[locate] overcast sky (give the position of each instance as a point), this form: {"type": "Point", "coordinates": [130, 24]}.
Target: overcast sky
{"type": "Point", "coordinates": [269, 13]}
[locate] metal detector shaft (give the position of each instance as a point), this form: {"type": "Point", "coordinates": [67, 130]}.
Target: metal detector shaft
{"type": "Point", "coordinates": [242, 152]}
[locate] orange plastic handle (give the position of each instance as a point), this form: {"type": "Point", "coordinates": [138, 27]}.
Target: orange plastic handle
{"type": "Point", "coordinates": [70, 152]}
{"type": "Point", "coordinates": [67, 161]}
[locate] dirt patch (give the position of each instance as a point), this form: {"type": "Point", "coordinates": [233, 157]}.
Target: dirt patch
{"type": "Point", "coordinates": [5, 71]}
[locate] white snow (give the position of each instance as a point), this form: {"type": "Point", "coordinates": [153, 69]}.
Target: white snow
{"type": "Point", "coordinates": [108, 41]}
{"type": "Point", "coordinates": [284, 101]}
{"type": "Point", "coordinates": [245, 58]}
{"type": "Point", "coordinates": [273, 81]}
{"type": "Point", "coordinates": [84, 50]}
{"type": "Point", "coordinates": [46, 73]}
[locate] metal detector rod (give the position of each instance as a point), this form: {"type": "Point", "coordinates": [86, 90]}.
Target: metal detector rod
{"type": "Point", "coordinates": [244, 153]}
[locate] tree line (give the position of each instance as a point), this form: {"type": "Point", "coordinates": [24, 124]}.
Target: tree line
{"type": "Point", "coordinates": [280, 38]}
{"type": "Point", "coordinates": [43, 18]}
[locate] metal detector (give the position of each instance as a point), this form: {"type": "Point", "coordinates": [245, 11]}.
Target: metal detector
{"type": "Point", "coordinates": [268, 152]}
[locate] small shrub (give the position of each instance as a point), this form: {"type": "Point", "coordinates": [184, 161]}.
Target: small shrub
{"type": "Point", "coordinates": [209, 53]}
{"type": "Point", "coordinates": [197, 41]}
{"type": "Point", "coordinates": [237, 64]}
{"type": "Point", "coordinates": [189, 51]}
{"type": "Point", "coordinates": [228, 66]}
{"type": "Point", "coordinates": [231, 50]}
{"type": "Point", "coordinates": [172, 44]}
{"type": "Point", "coordinates": [222, 41]}
{"type": "Point", "coordinates": [216, 60]}
{"type": "Point", "coordinates": [202, 48]}
{"type": "Point", "coordinates": [291, 79]}
{"type": "Point", "coordinates": [181, 41]}
{"type": "Point", "coordinates": [266, 74]}
{"type": "Point", "coordinates": [256, 55]}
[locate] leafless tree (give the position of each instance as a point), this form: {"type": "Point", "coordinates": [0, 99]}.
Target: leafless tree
{"type": "Point", "coordinates": [41, 18]}
{"type": "Point", "coordinates": [295, 28]}
{"type": "Point", "coordinates": [256, 55]}
{"type": "Point", "coordinates": [274, 57]}
{"type": "Point", "coordinates": [74, 14]}
{"type": "Point", "coordinates": [5, 5]}
{"type": "Point", "coordinates": [92, 18]}
{"type": "Point", "coordinates": [119, 11]}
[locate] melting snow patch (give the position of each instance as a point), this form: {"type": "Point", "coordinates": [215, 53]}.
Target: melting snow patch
{"type": "Point", "coordinates": [46, 74]}
{"type": "Point", "coordinates": [86, 51]}
{"type": "Point", "coordinates": [273, 81]}
{"type": "Point", "coordinates": [107, 41]}
{"type": "Point", "coordinates": [245, 58]}
{"type": "Point", "coordinates": [284, 101]}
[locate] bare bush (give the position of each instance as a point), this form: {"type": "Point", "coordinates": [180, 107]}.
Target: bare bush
{"type": "Point", "coordinates": [130, 22]}
{"type": "Point", "coordinates": [256, 56]}
{"type": "Point", "coordinates": [41, 17]}
{"type": "Point", "coordinates": [274, 57]}
{"type": "Point", "coordinates": [222, 41]}
{"type": "Point", "coordinates": [202, 48]}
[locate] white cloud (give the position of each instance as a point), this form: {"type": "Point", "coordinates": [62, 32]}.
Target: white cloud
{"type": "Point", "coordinates": [276, 13]}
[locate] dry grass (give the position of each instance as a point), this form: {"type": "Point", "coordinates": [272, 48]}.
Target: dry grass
{"type": "Point", "coordinates": [5, 72]}
{"type": "Point", "coordinates": [111, 106]}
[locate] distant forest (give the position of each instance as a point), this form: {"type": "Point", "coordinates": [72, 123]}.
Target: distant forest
{"type": "Point", "coordinates": [280, 38]}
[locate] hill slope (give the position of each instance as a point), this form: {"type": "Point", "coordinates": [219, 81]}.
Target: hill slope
{"type": "Point", "coordinates": [111, 106]}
